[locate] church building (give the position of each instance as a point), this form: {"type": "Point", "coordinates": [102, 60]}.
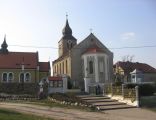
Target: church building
{"type": "Point", "coordinates": [88, 63]}
{"type": "Point", "coordinates": [21, 67]}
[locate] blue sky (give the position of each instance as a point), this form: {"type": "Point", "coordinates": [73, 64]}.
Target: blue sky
{"type": "Point", "coordinates": [117, 23]}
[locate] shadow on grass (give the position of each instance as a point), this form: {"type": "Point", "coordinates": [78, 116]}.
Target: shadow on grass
{"type": "Point", "coordinates": [9, 112]}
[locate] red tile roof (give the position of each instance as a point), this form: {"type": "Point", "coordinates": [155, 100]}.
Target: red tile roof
{"type": "Point", "coordinates": [131, 66]}
{"type": "Point", "coordinates": [54, 78]}
{"type": "Point", "coordinates": [94, 49]}
{"type": "Point", "coordinates": [44, 66]}
{"type": "Point", "coordinates": [13, 60]}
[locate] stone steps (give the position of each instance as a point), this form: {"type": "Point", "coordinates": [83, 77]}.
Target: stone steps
{"type": "Point", "coordinates": [108, 103]}
{"type": "Point", "coordinates": [115, 107]}
{"type": "Point", "coordinates": [95, 98]}
{"type": "Point", "coordinates": [105, 103]}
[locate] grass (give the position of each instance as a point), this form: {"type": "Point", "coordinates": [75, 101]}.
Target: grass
{"type": "Point", "coordinates": [149, 102]}
{"type": "Point", "coordinates": [6, 114]}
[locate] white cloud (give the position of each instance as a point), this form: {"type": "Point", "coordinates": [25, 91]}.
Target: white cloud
{"type": "Point", "coordinates": [128, 36]}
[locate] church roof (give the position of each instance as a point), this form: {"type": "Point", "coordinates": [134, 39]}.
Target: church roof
{"type": "Point", "coordinates": [14, 60]}
{"type": "Point", "coordinates": [87, 43]}
{"type": "Point", "coordinates": [61, 57]}
{"type": "Point", "coordinates": [94, 49]}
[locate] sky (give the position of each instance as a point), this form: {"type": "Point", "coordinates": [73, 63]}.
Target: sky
{"type": "Point", "coordinates": [123, 24]}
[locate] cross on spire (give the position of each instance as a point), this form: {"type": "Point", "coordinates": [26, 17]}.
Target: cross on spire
{"type": "Point", "coordinates": [5, 37]}
{"type": "Point", "coordinates": [91, 30]}
{"type": "Point", "coordinates": [66, 15]}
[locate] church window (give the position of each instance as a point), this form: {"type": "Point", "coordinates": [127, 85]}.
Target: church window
{"type": "Point", "coordinates": [4, 77]}
{"type": "Point", "coordinates": [101, 66]}
{"type": "Point", "coordinates": [27, 77]}
{"type": "Point", "coordinates": [63, 67]}
{"type": "Point", "coordinates": [66, 66]}
{"type": "Point", "coordinates": [60, 68]}
{"type": "Point", "coordinates": [10, 77]}
{"type": "Point", "coordinates": [69, 44]}
{"type": "Point", "coordinates": [57, 69]}
{"type": "Point", "coordinates": [21, 78]}
{"type": "Point", "coordinates": [90, 67]}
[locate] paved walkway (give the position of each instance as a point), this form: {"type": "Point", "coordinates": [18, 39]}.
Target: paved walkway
{"type": "Point", "coordinates": [72, 114]}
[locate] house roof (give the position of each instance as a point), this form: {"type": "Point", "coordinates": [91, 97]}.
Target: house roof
{"type": "Point", "coordinates": [53, 78]}
{"type": "Point", "coordinates": [14, 60]}
{"type": "Point", "coordinates": [131, 66]}
{"type": "Point", "coordinates": [44, 66]}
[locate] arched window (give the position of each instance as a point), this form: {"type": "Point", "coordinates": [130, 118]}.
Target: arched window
{"type": "Point", "coordinates": [21, 78]}
{"type": "Point", "coordinates": [27, 77]}
{"type": "Point", "coordinates": [90, 67]}
{"type": "Point", "coordinates": [63, 67]}
{"type": "Point", "coordinates": [66, 66]}
{"type": "Point", "coordinates": [4, 77]}
{"type": "Point", "coordinates": [60, 69]}
{"type": "Point", "coordinates": [10, 77]}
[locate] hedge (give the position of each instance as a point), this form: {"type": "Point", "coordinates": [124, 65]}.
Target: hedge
{"type": "Point", "coordinates": [19, 88]}
{"type": "Point", "coordinates": [144, 89]}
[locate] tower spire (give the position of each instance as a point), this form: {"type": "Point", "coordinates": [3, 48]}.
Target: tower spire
{"type": "Point", "coordinates": [67, 31]}
{"type": "Point", "coordinates": [4, 46]}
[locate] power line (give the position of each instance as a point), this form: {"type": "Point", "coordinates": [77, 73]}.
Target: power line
{"type": "Point", "coordinates": [45, 47]}
{"type": "Point", "coordinates": [151, 46]}
{"type": "Point", "coordinates": [34, 46]}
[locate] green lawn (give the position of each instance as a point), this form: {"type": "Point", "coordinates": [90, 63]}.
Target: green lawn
{"type": "Point", "coordinates": [149, 102]}
{"type": "Point", "coordinates": [12, 115]}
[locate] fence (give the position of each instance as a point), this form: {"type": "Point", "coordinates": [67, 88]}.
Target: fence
{"type": "Point", "coordinates": [122, 92]}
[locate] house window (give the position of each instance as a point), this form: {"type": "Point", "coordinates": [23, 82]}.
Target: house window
{"type": "Point", "coordinates": [133, 76]}
{"type": "Point", "coordinates": [90, 67]}
{"type": "Point", "coordinates": [4, 77]}
{"type": "Point", "coordinates": [21, 78]}
{"type": "Point", "coordinates": [27, 77]}
{"type": "Point", "coordinates": [10, 77]}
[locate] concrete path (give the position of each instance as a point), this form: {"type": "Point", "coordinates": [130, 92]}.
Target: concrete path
{"type": "Point", "coordinates": [72, 114]}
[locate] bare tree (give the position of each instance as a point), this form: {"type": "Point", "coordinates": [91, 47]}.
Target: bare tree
{"type": "Point", "coordinates": [129, 58]}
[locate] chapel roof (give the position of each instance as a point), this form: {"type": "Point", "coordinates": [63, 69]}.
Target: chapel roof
{"type": "Point", "coordinates": [14, 60]}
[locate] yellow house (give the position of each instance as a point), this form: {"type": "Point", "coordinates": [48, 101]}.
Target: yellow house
{"type": "Point", "coordinates": [19, 67]}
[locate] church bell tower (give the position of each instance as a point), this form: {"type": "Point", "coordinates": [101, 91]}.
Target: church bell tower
{"type": "Point", "coordinates": [67, 41]}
